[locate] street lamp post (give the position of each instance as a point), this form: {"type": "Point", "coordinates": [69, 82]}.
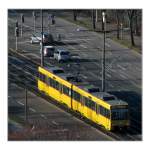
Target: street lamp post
{"type": "Point", "coordinates": [42, 58]}
{"type": "Point", "coordinates": [93, 19]}
{"type": "Point", "coordinates": [33, 13]}
{"type": "Point", "coordinates": [103, 52]}
{"type": "Point", "coordinates": [21, 23]}
{"type": "Point", "coordinates": [96, 15]}
{"type": "Point", "coordinates": [49, 18]}
{"type": "Point", "coordinates": [121, 31]}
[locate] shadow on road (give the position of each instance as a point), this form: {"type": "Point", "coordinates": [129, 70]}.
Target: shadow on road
{"type": "Point", "coordinates": [15, 109]}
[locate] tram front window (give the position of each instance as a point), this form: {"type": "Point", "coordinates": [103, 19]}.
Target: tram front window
{"type": "Point", "coordinates": [119, 114]}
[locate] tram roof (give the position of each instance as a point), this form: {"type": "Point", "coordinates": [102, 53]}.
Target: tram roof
{"type": "Point", "coordinates": [93, 90]}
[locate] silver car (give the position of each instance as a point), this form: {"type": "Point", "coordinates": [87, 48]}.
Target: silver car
{"type": "Point", "coordinates": [61, 55]}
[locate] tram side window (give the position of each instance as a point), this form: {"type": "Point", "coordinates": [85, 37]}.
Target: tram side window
{"type": "Point", "coordinates": [66, 90]}
{"type": "Point", "coordinates": [49, 81]}
{"type": "Point", "coordinates": [89, 103]}
{"type": "Point", "coordinates": [103, 111]}
{"type": "Point", "coordinates": [82, 100]}
{"type": "Point", "coordinates": [76, 96]}
{"type": "Point", "coordinates": [41, 77]}
{"type": "Point", "coordinates": [53, 83]}
{"type": "Point", "coordinates": [107, 113]}
{"type": "Point", "coordinates": [56, 85]}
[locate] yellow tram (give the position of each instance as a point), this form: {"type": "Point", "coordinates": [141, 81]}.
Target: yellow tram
{"type": "Point", "coordinates": [102, 108]}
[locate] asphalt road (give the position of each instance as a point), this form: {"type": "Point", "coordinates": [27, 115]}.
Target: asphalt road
{"type": "Point", "coordinates": [123, 65]}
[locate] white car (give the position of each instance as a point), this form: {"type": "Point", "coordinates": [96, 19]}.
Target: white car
{"type": "Point", "coordinates": [61, 55]}
{"type": "Point", "coordinates": [35, 40]}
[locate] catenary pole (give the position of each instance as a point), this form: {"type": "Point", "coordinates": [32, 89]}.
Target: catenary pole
{"type": "Point", "coordinates": [103, 53]}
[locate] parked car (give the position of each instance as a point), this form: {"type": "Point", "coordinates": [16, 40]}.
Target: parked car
{"type": "Point", "coordinates": [48, 51]}
{"type": "Point", "coordinates": [61, 55]}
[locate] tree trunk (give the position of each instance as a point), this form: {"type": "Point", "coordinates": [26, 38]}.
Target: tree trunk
{"type": "Point", "coordinates": [131, 14]}
{"type": "Point", "coordinates": [93, 19]}
{"type": "Point", "coordinates": [131, 33]}
{"type": "Point", "coordinates": [74, 15]}
{"type": "Point", "coordinates": [118, 25]}
{"type": "Point", "coordinates": [136, 26]}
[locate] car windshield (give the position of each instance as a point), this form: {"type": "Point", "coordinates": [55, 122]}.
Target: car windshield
{"type": "Point", "coordinates": [58, 71]}
{"type": "Point", "coordinates": [92, 90]}
{"type": "Point", "coordinates": [71, 78]}
{"type": "Point", "coordinates": [51, 49]}
{"type": "Point", "coordinates": [106, 98]}
{"type": "Point", "coordinates": [64, 53]}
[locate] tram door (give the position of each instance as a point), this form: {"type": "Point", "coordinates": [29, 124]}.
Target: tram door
{"type": "Point", "coordinates": [107, 115]}
{"type": "Point", "coordinates": [90, 106]}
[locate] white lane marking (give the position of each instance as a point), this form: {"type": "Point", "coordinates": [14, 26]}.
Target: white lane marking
{"type": "Point", "coordinates": [84, 55]}
{"type": "Point", "coordinates": [111, 85]}
{"type": "Point", "coordinates": [83, 46]}
{"type": "Point", "coordinates": [33, 110]}
{"type": "Point", "coordinates": [95, 76]}
{"type": "Point", "coordinates": [108, 75]}
{"type": "Point", "coordinates": [85, 77]}
{"type": "Point", "coordinates": [123, 76]}
{"type": "Point", "coordinates": [121, 67]}
{"type": "Point", "coordinates": [20, 103]}
{"type": "Point", "coordinates": [108, 45]}
{"type": "Point", "coordinates": [134, 83]}
{"type": "Point", "coordinates": [71, 46]}
{"type": "Point", "coordinates": [54, 122]}
{"type": "Point", "coordinates": [26, 26]}
{"type": "Point", "coordinates": [35, 55]}
{"type": "Point", "coordinates": [71, 34]}
{"type": "Point", "coordinates": [74, 40]}
{"type": "Point", "coordinates": [113, 70]}
{"type": "Point", "coordinates": [43, 116]}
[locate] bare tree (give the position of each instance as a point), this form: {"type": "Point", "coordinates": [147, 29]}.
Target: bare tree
{"type": "Point", "coordinates": [131, 14]}
{"type": "Point", "coordinates": [119, 15]}
{"type": "Point", "coordinates": [138, 22]}
{"type": "Point", "coordinates": [93, 19]}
